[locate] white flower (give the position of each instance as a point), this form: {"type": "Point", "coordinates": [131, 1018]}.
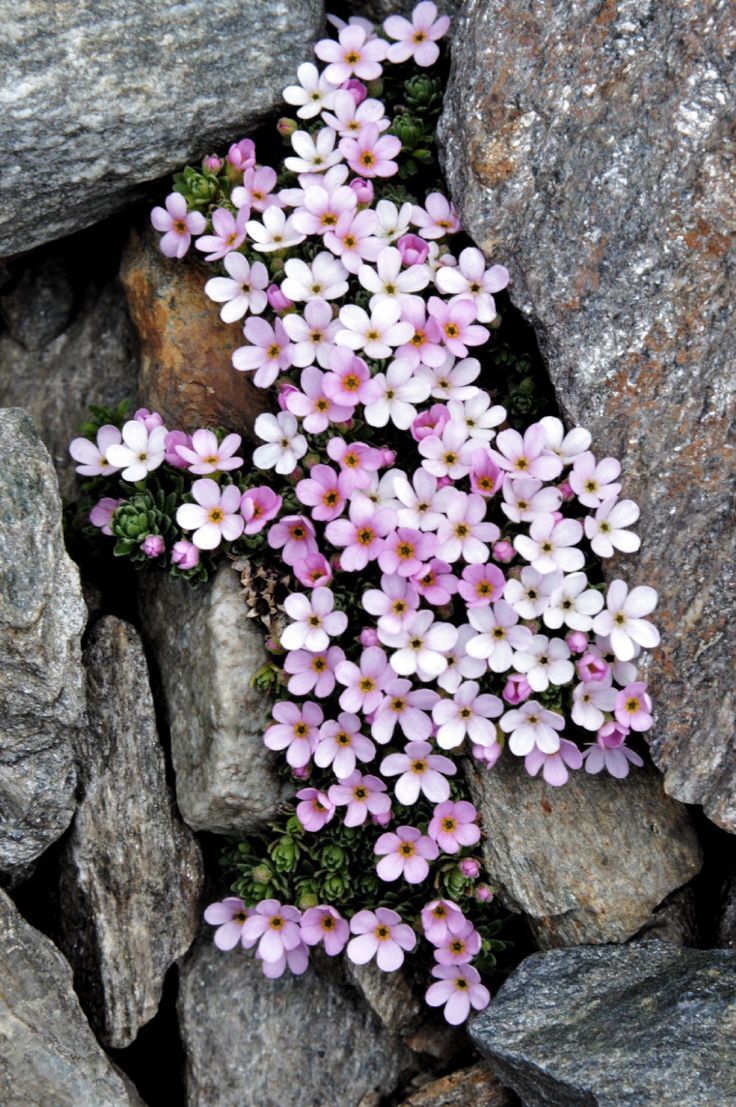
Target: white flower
{"type": "Point", "coordinates": [242, 291]}
{"type": "Point", "coordinates": [572, 605]}
{"type": "Point", "coordinates": [421, 646]}
{"type": "Point", "coordinates": [140, 452]}
{"type": "Point", "coordinates": [450, 381]}
{"type": "Point", "coordinates": [388, 281]}
{"type": "Point", "coordinates": [605, 529]}
{"type": "Point", "coordinates": [623, 619]}
{"type": "Point", "coordinates": [592, 482]}
{"type": "Point", "coordinates": [314, 621]}
{"type": "Point", "coordinates": [545, 661]}
{"type": "Point", "coordinates": [590, 701]}
{"type": "Point", "coordinates": [530, 595]}
{"type": "Point", "coordinates": [551, 545]}
{"type": "Point", "coordinates": [315, 154]}
{"type": "Point", "coordinates": [532, 725]}
{"type": "Point", "coordinates": [400, 390]}
{"type": "Point", "coordinates": [392, 222]}
{"type": "Point", "coordinates": [418, 507]}
{"type": "Point", "coordinates": [449, 454]}
{"type": "Point", "coordinates": [460, 665]}
{"type": "Point", "coordinates": [312, 334]}
{"type": "Point", "coordinates": [565, 446]}
{"type": "Point", "coordinates": [478, 416]}
{"type": "Point", "coordinates": [470, 280]}
{"type": "Point", "coordinates": [284, 445]}
{"type": "Point", "coordinates": [324, 279]}
{"type": "Point", "coordinates": [466, 715]}
{"type": "Point", "coordinates": [276, 232]}
{"type": "Point", "coordinates": [313, 93]}
{"type": "Point", "coordinates": [526, 498]}
{"type": "Point", "coordinates": [498, 635]}
{"type": "Point", "coordinates": [376, 333]}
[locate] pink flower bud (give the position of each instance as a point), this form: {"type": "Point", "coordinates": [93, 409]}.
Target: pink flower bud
{"type": "Point", "coordinates": [184, 555]}
{"type": "Point", "coordinates": [172, 440]}
{"type": "Point", "coordinates": [503, 551]}
{"type": "Point", "coordinates": [577, 642]}
{"type": "Point", "coordinates": [286, 126]}
{"type": "Point", "coordinates": [469, 867]}
{"type": "Point", "coordinates": [430, 422]}
{"type": "Point", "coordinates": [612, 735]}
{"type": "Point", "coordinates": [369, 637]}
{"type": "Point", "coordinates": [483, 893]}
{"type": "Point", "coordinates": [302, 773]}
{"type": "Point", "coordinates": [592, 667]}
{"type": "Point", "coordinates": [242, 155]}
{"type": "Point", "coordinates": [565, 490]}
{"type": "Point", "coordinates": [388, 457]}
{"type": "Point", "coordinates": [516, 690]}
{"type": "Point", "coordinates": [284, 392]}
{"type": "Point", "coordinates": [153, 545]}
{"type": "Point", "coordinates": [150, 419]}
{"type": "Point", "coordinates": [313, 571]}
{"type": "Point", "coordinates": [383, 818]}
{"type": "Point", "coordinates": [102, 513]}
{"type": "Point", "coordinates": [277, 300]}
{"type": "Point", "coordinates": [212, 163]}
{"type": "Point", "coordinates": [557, 516]}
{"type": "Point", "coordinates": [363, 190]}
{"type": "Point", "coordinates": [356, 88]}
{"type": "Point", "coordinates": [413, 249]}
{"type": "Point", "coordinates": [487, 755]}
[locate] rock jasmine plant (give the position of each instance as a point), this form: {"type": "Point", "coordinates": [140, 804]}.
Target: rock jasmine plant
{"type": "Point", "coordinates": [443, 604]}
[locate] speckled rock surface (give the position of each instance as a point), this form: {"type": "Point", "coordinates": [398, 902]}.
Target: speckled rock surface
{"type": "Point", "coordinates": [308, 1040]}
{"type": "Point", "coordinates": [129, 862]}
{"type": "Point", "coordinates": [42, 617]}
{"type": "Point", "coordinates": [643, 1026]}
{"type": "Point", "coordinates": [185, 366]}
{"type": "Point", "coordinates": [472, 1087]}
{"type": "Point", "coordinates": [113, 95]}
{"type": "Point", "coordinates": [48, 1054]}
{"type": "Point", "coordinates": [206, 651]}
{"type": "Point", "coordinates": [68, 341]}
{"type": "Point", "coordinates": [590, 149]}
{"type": "Point", "coordinates": [587, 863]}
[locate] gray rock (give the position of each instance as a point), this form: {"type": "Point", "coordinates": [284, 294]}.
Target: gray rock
{"type": "Point", "coordinates": [590, 149]}
{"type": "Point", "coordinates": [378, 10]}
{"type": "Point", "coordinates": [48, 1054]}
{"type": "Point", "coordinates": [391, 995]}
{"type": "Point", "coordinates": [207, 650]}
{"type": "Point", "coordinates": [640, 1026]}
{"type": "Point", "coordinates": [78, 351]}
{"type": "Point", "coordinates": [726, 921]}
{"type": "Point", "coordinates": [587, 863]}
{"type": "Point", "coordinates": [130, 874]}
{"type": "Point", "coordinates": [253, 1042]}
{"type": "Point", "coordinates": [474, 1085]}
{"type": "Point", "coordinates": [675, 920]}
{"type": "Point", "coordinates": [42, 617]}
{"type": "Point", "coordinates": [97, 99]}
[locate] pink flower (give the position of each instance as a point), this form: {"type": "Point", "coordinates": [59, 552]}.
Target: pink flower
{"type": "Point", "coordinates": [363, 683]}
{"type": "Point", "coordinates": [481, 584]}
{"type": "Point", "coordinates": [591, 701]}
{"type": "Point", "coordinates": [459, 947]}
{"type": "Point", "coordinates": [242, 155]}
{"type": "Point", "coordinates": [294, 536]}
{"type": "Point", "coordinates": [485, 476]}
{"type": "Point", "coordinates": [363, 796]}
{"type": "Point", "coordinates": [420, 502]}
{"type": "Point", "coordinates": [214, 516]}
{"type": "Point", "coordinates": [268, 354]}
{"type": "Point", "coordinates": [295, 731]}
{"type": "Point", "coordinates": [325, 924]}
{"type": "Point", "coordinates": [554, 766]}
{"type": "Point", "coordinates": [405, 550]}
{"type": "Point", "coordinates": [577, 642]}
{"type": "Point", "coordinates": [417, 39]}
{"type": "Point", "coordinates": [173, 440]}
{"type": "Point", "coordinates": [455, 321]}
{"type": "Point", "coordinates": [325, 491]}
{"type": "Point", "coordinates": [430, 423]}
{"type": "Point", "coordinates": [470, 280]}
{"type": "Point", "coordinates": [341, 744]}
{"type": "Point", "coordinates": [353, 55]}
{"type": "Point", "coordinates": [315, 809]}
{"type": "Point", "coordinates": [406, 706]}
{"type": "Point", "coordinates": [102, 513]}
{"type": "Point", "coordinates": [229, 916]}
{"type": "Point", "coordinates": [258, 506]}
{"type": "Point", "coordinates": [184, 555]}
{"type": "Point", "coordinates": [633, 707]}
{"type": "Point", "coordinates": [355, 458]}
{"type": "Point", "coordinates": [469, 867]}
{"type": "Point", "coordinates": [406, 853]}
{"type": "Point", "coordinates": [436, 583]}
{"type": "Point", "coordinates": [296, 960]}
{"type": "Point", "coordinates": [463, 533]}
{"type": "Point", "coordinates": [424, 346]}
{"type": "Point", "coordinates": [313, 571]}
{"type": "Point", "coordinates": [349, 118]}
{"type": "Point", "coordinates": [313, 672]}
{"type": "Point", "coordinates": [349, 382]}
{"type": "Point", "coordinates": [256, 190]}
{"type": "Point", "coordinates": [503, 551]}
{"type": "Point", "coordinates": [229, 233]}
{"type": "Point", "coordinates": [93, 457]}
{"type": "Point", "coordinates": [362, 189]}
{"type": "Point", "coordinates": [314, 621]}
{"type": "Point", "coordinates": [532, 726]}
{"type": "Point", "coordinates": [206, 455]}
{"type": "Point", "coordinates": [516, 690]}
{"type": "Point", "coordinates": [393, 603]}
{"type": "Point", "coordinates": [276, 926]}
{"type": "Point", "coordinates": [277, 300]}
{"type": "Point", "coordinates": [610, 752]}
{"type": "Point", "coordinates": [454, 825]}
{"type": "Point", "coordinates": [527, 456]}
{"type": "Point", "coordinates": [525, 499]}
{"type": "Point", "coordinates": [440, 918]}
{"type": "Point", "coordinates": [371, 154]}
{"type": "Point", "coordinates": [312, 404]}
{"type": "Point", "coordinates": [177, 224]}
{"type": "Point", "coordinates": [591, 666]}
{"type": "Point", "coordinates": [498, 635]}
{"type": "Point", "coordinates": [450, 455]}
{"type": "Point", "coordinates": [153, 545]}
{"type": "Point", "coordinates": [421, 771]}
{"type": "Point", "coordinates": [361, 537]}
{"type": "Point", "coordinates": [413, 250]}
{"type": "Point", "coordinates": [353, 239]}
{"type": "Point", "coordinates": [466, 715]}
{"type": "Point", "coordinates": [382, 934]}
{"type": "Point", "coordinates": [458, 988]}
{"type": "Point", "coordinates": [241, 291]}
{"type": "Point", "coordinates": [437, 218]}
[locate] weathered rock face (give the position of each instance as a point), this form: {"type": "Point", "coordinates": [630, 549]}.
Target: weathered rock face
{"type": "Point", "coordinates": [641, 1026]}
{"type": "Point", "coordinates": [185, 349]}
{"type": "Point", "coordinates": [48, 1054]}
{"type": "Point", "coordinates": [587, 863]}
{"type": "Point", "coordinates": [590, 149]}
{"type": "Point", "coordinates": [207, 650]}
{"type": "Point", "coordinates": [130, 874]}
{"type": "Point", "coordinates": [475, 1085]}
{"type": "Point", "coordinates": [42, 616]}
{"type": "Point", "coordinates": [727, 913]}
{"type": "Point", "coordinates": [252, 1042]}
{"type": "Point", "coordinates": [69, 342]}
{"type": "Point", "coordinates": [115, 95]}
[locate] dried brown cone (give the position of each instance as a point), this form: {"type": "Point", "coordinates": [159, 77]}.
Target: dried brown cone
{"type": "Point", "coordinates": [265, 587]}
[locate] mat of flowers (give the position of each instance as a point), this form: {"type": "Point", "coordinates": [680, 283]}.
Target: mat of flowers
{"type": "Point", "coordinates": [444, 605]}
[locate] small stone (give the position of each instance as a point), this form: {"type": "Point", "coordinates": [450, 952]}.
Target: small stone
{"type": "Point", "coordinates": [130, 873]}
{"type": "Point", "coordinates": [307, 1039]}
{"type": "Point", "coordinates": [645, 1025]}
{"type": "Point", "coordinates": [186, 370]}
{"type": "Point", "coordinates": [49, 1054]}
{"type": "Point", "coordinates": [675, 920]}
{"type": "Point", "coordinates": [588, 862]}
{"type": "Point", "coordinates": [391, 995]}
{"type": "Point", "coordinates": [476, 1086]}
{"type": "Point", "coordinates": [42, 618]}
{"type": "Point", "coordinates": [206, 651]}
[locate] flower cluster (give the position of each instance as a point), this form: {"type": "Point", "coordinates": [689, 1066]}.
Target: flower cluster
{"type": "Point", "coordinates": [446, 599]}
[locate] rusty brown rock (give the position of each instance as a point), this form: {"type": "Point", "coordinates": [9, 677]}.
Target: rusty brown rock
{"type": "Point", "coordinates": [475, 1085]}
{"type": "Point", "coordinates": [185, 349]}
{"type": "Point", "coordinates": [590, 149]}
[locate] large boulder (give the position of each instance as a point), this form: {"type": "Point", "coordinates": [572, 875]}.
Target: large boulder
{"type": "Point", "coordinates": [130, 873]}
{"type": "Point", "coordinates": [589, 148]}
{"type": "Point", "coordinates": [98, 98]}
{"type": "Point", "coordinates": [48, 1054]}
{"type": "Point", "coordinates": [647, 1025]}
{"type": "Point", "coordinates": [42, 617]}
{"type": "Point", "coordinates": [253, 1042]}
{"type": "Point", "coordinates": [207, 650]}
{"type": "Point", "coordinates": [586, 863]}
